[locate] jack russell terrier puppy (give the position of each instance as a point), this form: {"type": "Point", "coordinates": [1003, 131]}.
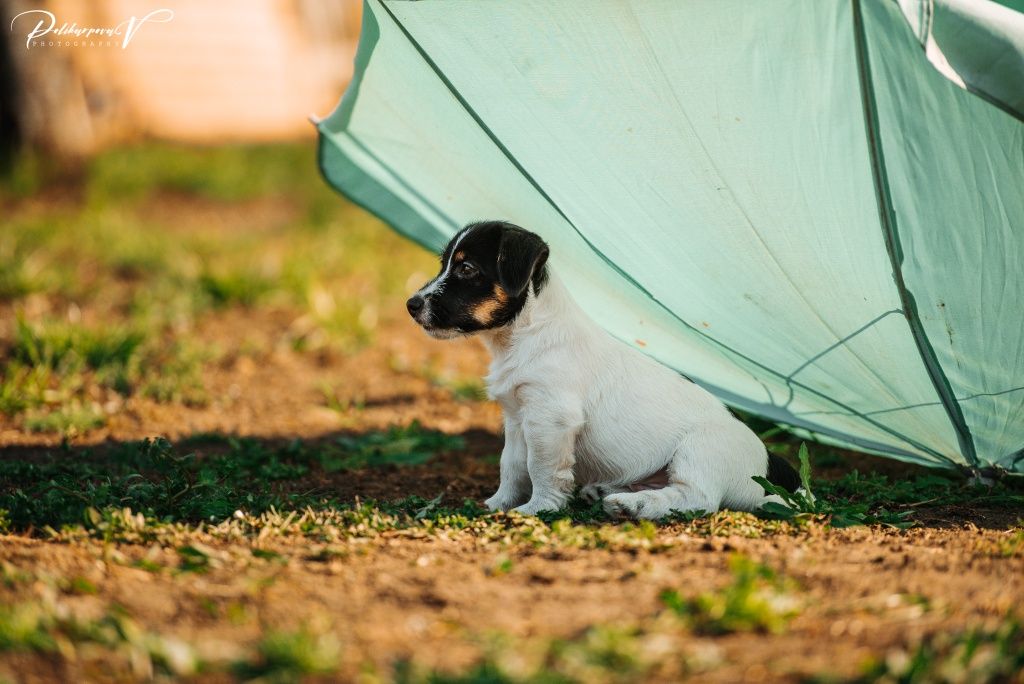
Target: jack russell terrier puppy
{"type": "Point", "coordinates": [581, 407]}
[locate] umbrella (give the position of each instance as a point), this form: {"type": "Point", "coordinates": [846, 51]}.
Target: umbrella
{"type": "Point", "coordinates": [813, 209]}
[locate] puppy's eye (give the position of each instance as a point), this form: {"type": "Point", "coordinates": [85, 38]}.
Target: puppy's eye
{"type": "Point", "coordinates": [466, 270]}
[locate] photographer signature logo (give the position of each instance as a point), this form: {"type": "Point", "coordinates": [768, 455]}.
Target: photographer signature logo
{"type": "Point", "coordinates": [46, 32]}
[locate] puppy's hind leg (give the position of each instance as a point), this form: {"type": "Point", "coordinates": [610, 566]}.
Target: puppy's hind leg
{"type": "Point", "coordinates": [654, 504]}
{"type": "Point", "coordinates": [692, 486]}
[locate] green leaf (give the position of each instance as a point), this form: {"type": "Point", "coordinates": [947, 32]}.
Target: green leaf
{"type": "Point", "coordinates": [777, 509]}
{"type": "Point", "coordinates": [429, 507]}
{"type": "Point", "coordinates": [805, 470]}
{"type": "Point", "coordinates": [770, 488]}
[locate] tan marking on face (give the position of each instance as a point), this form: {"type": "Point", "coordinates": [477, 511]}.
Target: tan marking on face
{"type": "Point", "coordinates": [459, 256]}
{"type": "Point", "coordinates": [483, 312]}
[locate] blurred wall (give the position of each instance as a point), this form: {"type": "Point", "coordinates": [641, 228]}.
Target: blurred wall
{"type": "Point", "coordinates": [219, 70]}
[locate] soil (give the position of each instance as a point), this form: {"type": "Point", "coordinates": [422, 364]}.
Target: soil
{"type": "Point", "coordinates": [407, 598]}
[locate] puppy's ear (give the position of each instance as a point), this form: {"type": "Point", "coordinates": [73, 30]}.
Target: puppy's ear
{"type": "Point", "coordinates": [520, 255]}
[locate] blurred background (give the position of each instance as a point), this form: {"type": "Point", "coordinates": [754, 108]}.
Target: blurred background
{"type": "Point", "coordinates": [235, 70]}
{"type": "Point", "coordinates": [171, 261]}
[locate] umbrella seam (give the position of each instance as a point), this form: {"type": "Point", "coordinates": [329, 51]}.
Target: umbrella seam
{"type": "Point", "coordinates": [921, 405]}
{"type": "Point", "coordinates": [843, 341]}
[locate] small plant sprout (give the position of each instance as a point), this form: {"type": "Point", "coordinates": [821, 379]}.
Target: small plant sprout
{"type": "Point", "coordinates": [802, 505]}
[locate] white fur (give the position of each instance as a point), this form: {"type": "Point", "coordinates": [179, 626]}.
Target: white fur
{"type": "Point", "coordinates": [436, 287]}
{"type": "Point", "coordinates": [582, 408]}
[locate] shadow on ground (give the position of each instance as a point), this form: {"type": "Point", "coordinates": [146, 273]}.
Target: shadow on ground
{"type": "Point", "coordinates": [212, 475]}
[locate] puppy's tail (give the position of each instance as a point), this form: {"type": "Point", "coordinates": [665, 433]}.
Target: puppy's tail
{"type": "Point", "coordinates": [781, 474]}
{"type": "Point", "coordinates": [749, 495]}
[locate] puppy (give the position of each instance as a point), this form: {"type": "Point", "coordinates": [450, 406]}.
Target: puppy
{"type": "Point", "coordinates": [580, 407]}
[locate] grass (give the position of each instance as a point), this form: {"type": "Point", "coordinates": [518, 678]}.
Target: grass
{"type": "Point", "coordinates": [397, 446]}
{"type": "Point", "coordinates": [1011, 546]}
{"type": "Point", "coordinates": [657, 647]}
{"type": "Point", "coordinates": [337, 529]}
{"type": "Point", "coordinates": [149, 490]}
{"type": "Point", "coordinates": [59, 345]}
{"type": "Point", "coordinates": [840, 511]}
{"type": "Point", "coordinates": [991, 652]}
{"type": "Point", "coordinates": [49, 627]}
{"type": "Point", "coordinates": [234, 288]}
{"type": "Point", "coordinates": [461, 387]}
{"type": "Point", "coordinates": [666, 645]}
{"type": "Point", "coordinates": [160, 481]}
{"type": "Point", "coordinates": [210, 477]}
{"type": "Point", "coordinates": [217, 502]}
{"type": "Point", "coordinates": [69, 419]}
{"type": "Point", "coordinates": [108, 272]}
{"type": "Point", "coordinates": [602, 653]}
{"type": "Point", "coordinates": [223, 174]}
{"type": "Point", "coordinates": [873, 499]}
{"type": "Point", "coordinates": [287, 656]}
{"type": "Point", "coordinates": [55, 373]}
{"type": "Point", "coordinates": [757, 600]}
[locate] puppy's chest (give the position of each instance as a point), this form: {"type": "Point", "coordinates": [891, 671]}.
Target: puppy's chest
{"type": "Point", "coordinates": [502, 380]}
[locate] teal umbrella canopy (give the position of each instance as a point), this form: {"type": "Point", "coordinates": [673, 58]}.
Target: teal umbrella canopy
{"type": "Point", "coordinates": [814, 210]}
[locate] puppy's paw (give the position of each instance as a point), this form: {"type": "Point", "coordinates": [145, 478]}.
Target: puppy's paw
{"type": "Point", "coordinates": [535, 506]}
{"type": "Point", "coordinates": [499, 503]}
{"type": "Point", "coordinates": [615, 507]}
{"type": "Point", "coordinates": [631, 505]}
{"type": "Point", "coordinates": [528, 509]}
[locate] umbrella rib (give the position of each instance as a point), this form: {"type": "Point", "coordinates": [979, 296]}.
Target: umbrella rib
{"type": "Point", "coordinates": [887, 219]}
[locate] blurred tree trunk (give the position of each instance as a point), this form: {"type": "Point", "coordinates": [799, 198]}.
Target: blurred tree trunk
{"type": "Point", "coordinates": [10, 128]}
{"type": "Point", "coordinates": [44, 95]}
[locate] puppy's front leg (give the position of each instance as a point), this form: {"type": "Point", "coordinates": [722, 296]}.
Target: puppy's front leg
{"type": "Point", "coordinates": [514, 487]}
{"type": "Point", "coordinates": [550, 430]}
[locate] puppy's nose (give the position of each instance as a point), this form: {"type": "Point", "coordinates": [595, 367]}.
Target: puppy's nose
{"type": "Point", "coordinates": [414, 305]}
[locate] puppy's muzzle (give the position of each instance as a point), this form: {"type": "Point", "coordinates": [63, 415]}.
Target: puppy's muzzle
{"type": "Point", "coordinates": [419, 308]}
{"type": "Point", "coordinates": [415, 305]}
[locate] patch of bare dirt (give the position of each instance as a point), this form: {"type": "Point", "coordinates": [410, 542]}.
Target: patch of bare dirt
{"type": "Point", "coordinates": [261, 387]}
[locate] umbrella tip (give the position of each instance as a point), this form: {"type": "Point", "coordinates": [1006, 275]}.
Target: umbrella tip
{"type": "Point", "coordinates": [314, 119]}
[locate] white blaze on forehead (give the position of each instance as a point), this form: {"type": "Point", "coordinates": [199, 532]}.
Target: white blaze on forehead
{"type": "Point", "coordinates": [437, 284]}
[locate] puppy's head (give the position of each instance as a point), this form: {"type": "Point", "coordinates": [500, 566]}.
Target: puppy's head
{"type": "Point", "coordinates": [487, 272]}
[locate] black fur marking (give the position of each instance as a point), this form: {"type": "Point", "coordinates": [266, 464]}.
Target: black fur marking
{"type": "Point", "coordinates": [503, 261]}
{"type": "Point", "coordinates": [781, 474]}
{"type": "Point", "coordinates": [521, 259]}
